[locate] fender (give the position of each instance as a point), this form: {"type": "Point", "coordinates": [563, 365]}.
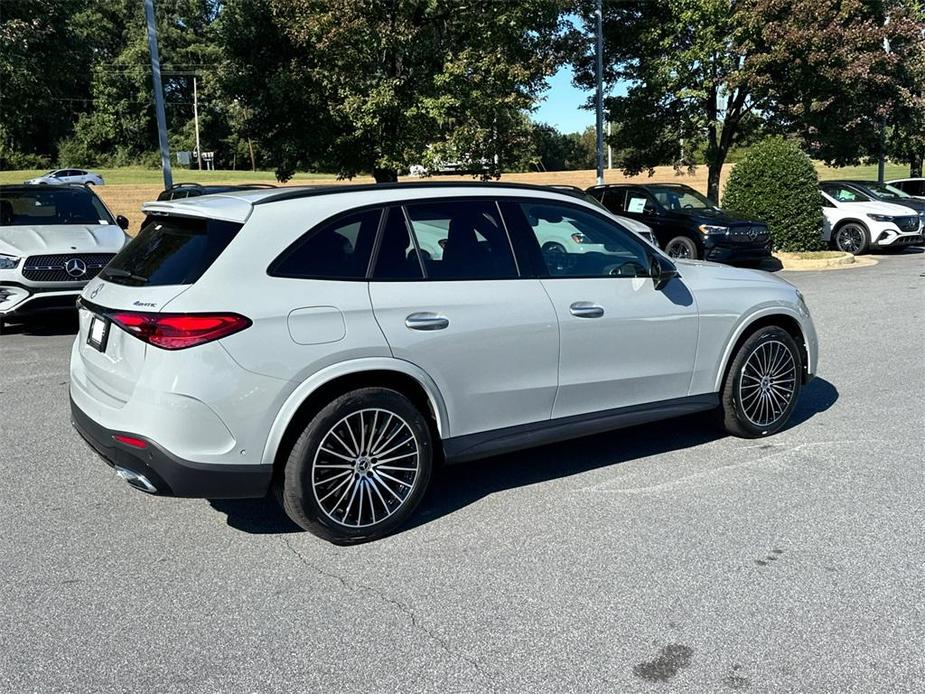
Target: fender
{"type": "Point", "coordinates": [749, 319]}
{"type": "Point", "coordinates": [328, 374]}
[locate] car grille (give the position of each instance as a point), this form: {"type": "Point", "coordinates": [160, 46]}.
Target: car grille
{"type": "Point", "coordinates": [753, 233]}
{"type": "Point", "coordinates": [908, 223]}
{"type": "Point", "coordinates": [67, 267]}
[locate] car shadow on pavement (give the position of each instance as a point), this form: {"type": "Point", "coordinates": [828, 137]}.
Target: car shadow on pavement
{"type": "Point", "coordinates": [454, 487]}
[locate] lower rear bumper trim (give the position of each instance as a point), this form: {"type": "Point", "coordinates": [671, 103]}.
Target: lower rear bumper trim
{"type": "Point", "coordinates": [169, 475]}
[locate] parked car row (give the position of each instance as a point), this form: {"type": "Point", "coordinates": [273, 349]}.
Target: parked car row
{"type": "Point", "coordinates": [57, 177]}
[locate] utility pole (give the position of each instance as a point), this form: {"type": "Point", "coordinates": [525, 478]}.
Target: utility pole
{"type": "Point", "coordinates": [599, 98]}
{"type": "Point", "coordinates": [609, 148]}
{"type": "Point", "coordinates": [196, 119]}
{"type": "Point", "coordinates": [881, 160]}
{"type": "Point", "coordinates": [158, 94]}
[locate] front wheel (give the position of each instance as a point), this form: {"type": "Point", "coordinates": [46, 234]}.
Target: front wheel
{"type": "Point", "coordinates": [682, 247]}
{"type": "Point", "coordinates": [762, 385]}
{"type": "Point", "coordinates": [360, 467]}
{"type": "Point", "coordinates": [852, 238]}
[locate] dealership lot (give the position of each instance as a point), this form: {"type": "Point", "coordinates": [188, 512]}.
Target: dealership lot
{"type": "Point", "coordinates": [663, 558]}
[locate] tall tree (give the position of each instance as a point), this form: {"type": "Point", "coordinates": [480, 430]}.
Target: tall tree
{"type": "Point", "coordinates": [379, 85]}
{"type": "Point", "coordinates": [42, 76]}
{"type": "Point", "coordinates": [700, 73]}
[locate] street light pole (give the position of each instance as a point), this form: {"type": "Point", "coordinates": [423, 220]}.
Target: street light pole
{"type": "Point", "coordinates": [599, 98]}
{"type": "Point", "coordinates": [196, 119]}
{"type": "Point", "coordinates": [881, 160]}
{"type": "Point", "coordinates": [158, 94]}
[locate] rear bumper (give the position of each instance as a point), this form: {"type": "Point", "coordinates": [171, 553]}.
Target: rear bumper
{"type": "Point", "coordinates": [167, 474]}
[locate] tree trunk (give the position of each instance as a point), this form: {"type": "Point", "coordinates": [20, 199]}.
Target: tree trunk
{"type": "Point", "coordinates": [915, 167]}
{"type": "Point", "coordinates": [385, 175]}
{"type": "Point", "coordinates": [714, 168]}
{"type": "Point", "coordinates": [250, 146]}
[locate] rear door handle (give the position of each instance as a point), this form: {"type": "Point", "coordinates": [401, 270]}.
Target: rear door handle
{"type": "Point", "coordinates": [586, 309]}
{"type": "Point", "coordinates": [426, 321]}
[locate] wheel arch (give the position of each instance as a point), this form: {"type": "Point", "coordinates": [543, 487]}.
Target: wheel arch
{"type": "Point", "coordinates": [317, 391]}
{"type": "Point", "coordinates": [769, 317]}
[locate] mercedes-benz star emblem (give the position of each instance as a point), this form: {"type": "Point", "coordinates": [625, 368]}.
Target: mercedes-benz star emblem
{"type": "Point", "coordinates": [75, 267]}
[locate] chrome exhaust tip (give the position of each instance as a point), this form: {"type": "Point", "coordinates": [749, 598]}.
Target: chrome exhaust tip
{"type": "Point", "coordinates": [136, 480]}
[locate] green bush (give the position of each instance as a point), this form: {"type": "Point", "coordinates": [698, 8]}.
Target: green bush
{"type": "Point", "coordinates": [777, 183]}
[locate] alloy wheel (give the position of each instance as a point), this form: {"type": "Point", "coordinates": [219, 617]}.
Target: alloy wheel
{"type": "Point", "coordinates": [850, 239]}
{"type": "Point", "coordinates": [768, 383]}
{"type": "Point", "coordinates": [679, 249]}
{"type": "Point", "coordinates": [365, 468]}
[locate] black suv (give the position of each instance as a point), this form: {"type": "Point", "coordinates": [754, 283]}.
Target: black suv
{"type": "Point", "coordinates": [685, 223]}
{"type": "Point", "coordinates": [192, 190]}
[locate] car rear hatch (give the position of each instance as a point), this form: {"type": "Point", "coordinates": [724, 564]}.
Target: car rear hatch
{"type": "Point", "coordinates": [119, 308]}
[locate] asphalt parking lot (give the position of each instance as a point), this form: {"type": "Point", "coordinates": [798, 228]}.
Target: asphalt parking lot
{"type": "Point", "coordinates": [664, 558]}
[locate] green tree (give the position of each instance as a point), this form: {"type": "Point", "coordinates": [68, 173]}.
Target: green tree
{"type": "Point", "coordinates": [777, 184]}
{"type": "Point", "coordinates": [700, 73]}
{"type": "Point", "coordinates": [42, 77]}
{"type": "Point", "coordinates": [377, 85]}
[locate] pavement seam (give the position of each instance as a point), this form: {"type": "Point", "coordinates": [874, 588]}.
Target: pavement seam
{"type": "Point", "coordinates": [404, 609]}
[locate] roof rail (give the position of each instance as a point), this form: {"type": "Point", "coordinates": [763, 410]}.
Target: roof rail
{"type": "Point", "coordinates": [295, 193]}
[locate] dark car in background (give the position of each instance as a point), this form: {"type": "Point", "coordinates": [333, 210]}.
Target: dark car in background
{"type": "Point", "coordinates": [686, 223]}
{"type": "Point", "coordinates": [192, 190]}
{"type": "Point", "coordinates": [911, 186]}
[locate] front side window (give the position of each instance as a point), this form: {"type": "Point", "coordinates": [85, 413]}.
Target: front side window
{"type": "Point", "coordinates": [51, 205]}
{"type": "Point", "coordinates": [577, 243]}
{"type": "Point", "coordinates": [614, 199]}
{"type": "Point", "coordinates": [844, 193]}
{"type": "Point", "coordinates": [338, 250]}
{"type": "Point", "coordinates": [462, 240]}
{"type": "Point", "coordinates": [680, 198]}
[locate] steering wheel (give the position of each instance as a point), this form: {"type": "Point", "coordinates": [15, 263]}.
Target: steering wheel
{"type": "Point", "coordinates": [688, 206]}
{"type": "Point", "coordinates": [628, 269]}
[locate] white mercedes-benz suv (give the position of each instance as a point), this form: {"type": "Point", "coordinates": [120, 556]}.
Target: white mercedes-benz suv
{"type": "Point", "coordinates": [302, 341]}
{"type": "Point", "coordinates": [53, 240]}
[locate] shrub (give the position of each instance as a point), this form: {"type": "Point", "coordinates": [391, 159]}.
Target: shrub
{"type": "Point", "coordinates": [777, 183]}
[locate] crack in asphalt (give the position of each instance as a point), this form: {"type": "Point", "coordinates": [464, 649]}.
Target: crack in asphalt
{"type": "Point", "coordinates": [404, 609]}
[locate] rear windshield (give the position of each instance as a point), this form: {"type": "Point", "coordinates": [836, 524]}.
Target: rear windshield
{"type": "Point", "coordinates": [170, 250]}
{"type": "Point", "coordinates": [47, 205]}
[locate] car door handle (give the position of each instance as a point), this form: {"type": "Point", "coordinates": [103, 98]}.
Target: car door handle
{"type": "Point", "coordinates": [426, 321]}
{"type": "Point", "coordinates": [586, 309]}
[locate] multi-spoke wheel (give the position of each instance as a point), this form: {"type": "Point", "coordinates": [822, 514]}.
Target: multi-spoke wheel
{"type": "Point", "coordinates": [763, 383]}
{"type": "Point", "coordinates": [360, 467]}
{"type": "Point", "coordinates": [851, 238]}
{"type": "Point", "coordinates": [682, 247]}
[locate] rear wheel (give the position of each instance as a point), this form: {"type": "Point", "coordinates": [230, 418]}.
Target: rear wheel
{"type": "Point", "coordinates": [360, 467]}
{"type": "Point", "coordinates": [681, 247]}
{"type": "Point", "coordinates": [763, 384]}
{"type": "Point", "coordinates": [851, 238]}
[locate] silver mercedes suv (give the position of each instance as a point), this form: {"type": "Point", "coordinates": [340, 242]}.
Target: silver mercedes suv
{"type": "Point", "coordinates": [334, 344]}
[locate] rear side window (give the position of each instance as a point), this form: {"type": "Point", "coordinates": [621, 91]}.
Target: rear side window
{"type": "Point", "coordinates": [338, 250]}
{"type": "Point", "coordinates": [397, 258]}
{"type": "Point", "coordinates": [462, 240]}
{"type": "Point", "coordinates": [170, 250]}
{"type": "Point", "coordinates": [614, 199]}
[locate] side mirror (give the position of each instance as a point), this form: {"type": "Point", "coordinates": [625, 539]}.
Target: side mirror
{"type": "Point", "coordinates": [122, 221]}
{"type": "Point", "coordinates": [662, 271]}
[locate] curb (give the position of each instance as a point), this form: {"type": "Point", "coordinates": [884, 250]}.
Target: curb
{"type": "Point", "coordinates": [792, 262]}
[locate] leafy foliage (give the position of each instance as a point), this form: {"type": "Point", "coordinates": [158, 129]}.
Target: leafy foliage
{"type": "Point", "coordinates": [777, 183]}
{"type": "Point", "coordinates": [556, 151]}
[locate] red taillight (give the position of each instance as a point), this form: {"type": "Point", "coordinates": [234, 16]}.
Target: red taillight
{"type": "Point", "coordinates": [179, 331]}
{"type": "Point", "coordinates": [130, 441]}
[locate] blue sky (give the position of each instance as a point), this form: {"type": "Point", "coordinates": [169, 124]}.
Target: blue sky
{"type": "Point", "coordinates": [562, 102]}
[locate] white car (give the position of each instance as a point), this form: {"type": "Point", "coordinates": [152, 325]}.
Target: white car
{"type": "Point", "coordinates": [298, 340]}
{"type": "Point", "coordinates": [910, 186]}
{"type": "Point", "coordinates": [59, 176]}
{"type": "Point", "coordinates": [855, 223]}
{"type": "Point", "coordinates": [52, 242]}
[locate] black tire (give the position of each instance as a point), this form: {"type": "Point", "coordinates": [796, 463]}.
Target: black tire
{"type": "Point", "coordinates": [328, 513]}
{"type": "Point", "coordinates": [682, 247]}
{"type": "Point", "coordinates": [742, 385]}
{"type": "Point", "coordinates": [851, 237]}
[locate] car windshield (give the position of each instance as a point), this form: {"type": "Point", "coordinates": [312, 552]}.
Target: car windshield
{"type": "Point", "coordinates": [51, 205]}
{"type": "Point", "coordinates": [680, 198]}
{"type": "Point", "coordinates": [885, 192]}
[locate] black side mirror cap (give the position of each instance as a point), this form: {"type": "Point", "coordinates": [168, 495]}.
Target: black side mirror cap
{"type": "Point", "coordinates": [122, 221]}
{"type": "Point", "coordinates": [662, 271]}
